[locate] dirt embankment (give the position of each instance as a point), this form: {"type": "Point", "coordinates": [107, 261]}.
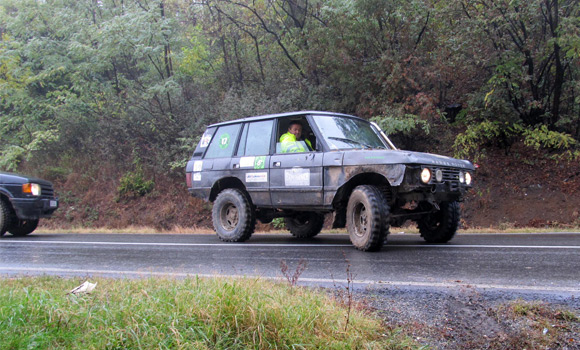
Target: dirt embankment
{"type": "Point", "coordinates": [522, 189]}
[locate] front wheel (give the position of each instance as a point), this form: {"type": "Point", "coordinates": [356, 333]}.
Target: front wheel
{"type": "Point", "coordinates": [305, 224]}
{"type": "Point", "coordinates": [233, 217]}
{"type": "Point", "coordinates": [367, 215]}
{"type": "Point", "coordinates": [23, 227]}
{"type": "Point", "coordinates": [5, 217]}
{"type": "Point", "coordinates": [440, 227]}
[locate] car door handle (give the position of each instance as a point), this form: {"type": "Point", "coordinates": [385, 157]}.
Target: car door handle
{"type": "Point", "coordinates": [277, 164]}
{"type": "Point", "coordinates": [236, 166]}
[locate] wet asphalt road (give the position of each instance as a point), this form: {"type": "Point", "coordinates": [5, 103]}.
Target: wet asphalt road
{"type": "Point", "coordinates": [527, 262]}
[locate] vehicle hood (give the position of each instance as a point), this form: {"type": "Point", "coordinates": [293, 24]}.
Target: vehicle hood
{"type": "Point", "coordinates": [361, 157]}
{"type": "Point", "coordinates": [11, 178]}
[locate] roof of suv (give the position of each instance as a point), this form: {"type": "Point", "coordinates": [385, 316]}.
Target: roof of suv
{"type": "Point", "coordinates": [281, 115]}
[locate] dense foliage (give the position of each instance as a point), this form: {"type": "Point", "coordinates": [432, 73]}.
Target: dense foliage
{"type": "Point", "coordinates": [114, 81]}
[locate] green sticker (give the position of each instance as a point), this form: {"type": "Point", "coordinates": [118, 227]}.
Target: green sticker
{"type": "Point", "coordinates": [224, 140]}
{"type": "Point", "coordinates": [260, 162]}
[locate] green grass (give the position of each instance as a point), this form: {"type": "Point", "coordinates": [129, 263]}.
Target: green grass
{"type": "Point", "coordinates": [192, 313]}
{"type": "Point", "coordinates": [205, 230]}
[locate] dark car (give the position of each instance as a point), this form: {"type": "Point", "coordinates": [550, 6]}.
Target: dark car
{"type": "Point", "coordinates": [23, 201]}
{"type": "Point", "coordinates": [347, 167]}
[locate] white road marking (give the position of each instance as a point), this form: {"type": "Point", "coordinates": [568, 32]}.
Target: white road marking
{"type": "Point", "coordinates": [225, 245]}
{"type": "Point", "coordinates": [483, 246]}
{"type": "Point", "coordinates": [369, 283]}
{"type": "Point", "coordinates": [275, 245]}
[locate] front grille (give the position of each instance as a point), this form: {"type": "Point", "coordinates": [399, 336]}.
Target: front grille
{"type": "Point", "coordinates": [450, 176]}
{"type": "Point", "coordinates": [46, 191]}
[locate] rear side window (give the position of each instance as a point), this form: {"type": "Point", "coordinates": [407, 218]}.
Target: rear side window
{"type": "Point", "coordinates": [204, 142]}
{"type": "Point", "coordinates": [223, 142]}
{"type": "Point", "coordinates": [256, 138]}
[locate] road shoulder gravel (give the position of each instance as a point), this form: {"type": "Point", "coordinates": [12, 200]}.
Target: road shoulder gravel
{"type": "Point", "coordinates": [470, 318]}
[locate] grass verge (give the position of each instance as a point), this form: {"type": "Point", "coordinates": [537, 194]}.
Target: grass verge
{"type": "Point", "coordinates": [204, 230]}
{"type": "Point", "coordinates": [192, 313]}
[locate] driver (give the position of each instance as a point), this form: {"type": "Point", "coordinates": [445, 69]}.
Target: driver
{"type": "Point", "coordinates": [290, 140]}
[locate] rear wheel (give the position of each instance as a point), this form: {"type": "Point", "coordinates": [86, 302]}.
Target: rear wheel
{"type": "Point", "coordinates": [305, 224]}
{"type": "Point", "coordinates": [440, 227]}
{"type": "Point", "coordinates": [233, 216]}
{"type": "Point", "coordinates": [23, 227]}
{"type": "Point", "coordinates": [5, 217]}
{"type": "Point", "coordinates": [366, 218]}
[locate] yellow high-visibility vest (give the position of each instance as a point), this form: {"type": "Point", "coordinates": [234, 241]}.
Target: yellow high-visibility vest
{"type": "Point", "coordinates": [290, 145]}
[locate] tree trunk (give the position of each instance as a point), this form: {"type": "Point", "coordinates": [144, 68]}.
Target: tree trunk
{"type": "Point", "coordinates": [553, 15]}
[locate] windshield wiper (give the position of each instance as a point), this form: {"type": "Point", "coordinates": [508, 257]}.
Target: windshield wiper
{"type": "Point", "coordinates": [350, 141]}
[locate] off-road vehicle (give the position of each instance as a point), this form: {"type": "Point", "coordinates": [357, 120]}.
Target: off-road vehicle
{"type": "Point", "coordinates": [23, 201]}
{"type": "Point", "coordinates": [348, 167]}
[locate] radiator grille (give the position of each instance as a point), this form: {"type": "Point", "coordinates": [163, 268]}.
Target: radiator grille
{"type": "Point", "coordinates": [450, 176]}
{"type": "Point", "coordinates": [46, 191]}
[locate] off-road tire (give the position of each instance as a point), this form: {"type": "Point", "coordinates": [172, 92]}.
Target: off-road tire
{"type": "Point", "coordinates": [305, 224]}
{"type": "Point", "coordinates": [23, 227]}
{"type": "Point", "coordinates": [6, 217]}
{"type": "Point", "coordinates": [233, 216]}
{"type": "Point", "coordinates": [367, 216]}
{"type": "Point", "coordinates": [440, 227]}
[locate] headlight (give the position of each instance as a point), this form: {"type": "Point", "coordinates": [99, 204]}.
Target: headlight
{"type": "Point", "coordinates": [33, 189]}
{"type": "Point", "coordinates": [426, 175]}
{"type": "Point", "coordinates": [461, 177]}
{"type": "Point", "coordinates": [468, 178]}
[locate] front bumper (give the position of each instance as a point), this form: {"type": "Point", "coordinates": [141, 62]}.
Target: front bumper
{"type": "Point", "coordinates": [34, 208]}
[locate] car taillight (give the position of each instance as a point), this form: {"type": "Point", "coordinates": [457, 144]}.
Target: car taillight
{"type": "Point", "coordinates": [188, 180]}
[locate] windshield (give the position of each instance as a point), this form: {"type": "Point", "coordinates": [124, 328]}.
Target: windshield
{"type": "Point", "coordinates": [344, 133]}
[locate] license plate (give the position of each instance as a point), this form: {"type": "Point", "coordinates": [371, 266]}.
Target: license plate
{"type": "Point", "coordinates": [53, 204]}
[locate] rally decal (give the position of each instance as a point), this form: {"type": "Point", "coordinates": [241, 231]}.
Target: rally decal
{"type": "Point", "coordinates": [256, 177]}
{"type": "Point", "coordinates": [247, 162]}
{"type": "Point", "coordinates": [297, 177]}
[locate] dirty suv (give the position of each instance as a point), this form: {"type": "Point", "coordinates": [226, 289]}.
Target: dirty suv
{"type": "Point", "coordinates": [23, 201]}
{"type": "Point", "coordinates": [302, 165]}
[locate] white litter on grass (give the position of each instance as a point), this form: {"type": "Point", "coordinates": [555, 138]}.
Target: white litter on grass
{"type": "Point", "coordinates": [86, 287]}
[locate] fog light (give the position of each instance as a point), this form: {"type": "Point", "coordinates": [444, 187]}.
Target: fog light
{"type": "Point", "coordinates": [468, 178]}
{"type": "Point", "coordinates": [438, 175]}
{"type": "Point", "coordinates": [33, 189]}
{"type": "Point", "coordinates": [425, 175]}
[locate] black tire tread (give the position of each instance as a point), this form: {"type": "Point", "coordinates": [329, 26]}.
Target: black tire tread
{"type": "Point", "coordinates": [247, 228]}
{"type": "Point", "coordinates": [447, 226]}
{"type": "Point", "coordinates": [23, 227]}
{"type": "Point", "coordinates": [306, 231]}
{"type": "Point", "coordinates": [5, 217]}
{"type": "Point", "coordinates": [380, 213]}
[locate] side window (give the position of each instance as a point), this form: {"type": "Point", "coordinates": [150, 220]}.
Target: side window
{"type": "Point", "coordinates": [204, 142]}
{"type": "Point", "coordinates": [223, 142]}
{"type": "Point", "coordinates": [258, 139]}
{"type": "Point", "coordinates": [294, 136]}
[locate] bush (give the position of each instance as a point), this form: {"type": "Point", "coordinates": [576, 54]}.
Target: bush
{"type": "Point", "coordinates": [133, 184]}
{"type": "Point", "coordinates": [396, 121]}
{"type": "Point", "coordinates": [477, 137]}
